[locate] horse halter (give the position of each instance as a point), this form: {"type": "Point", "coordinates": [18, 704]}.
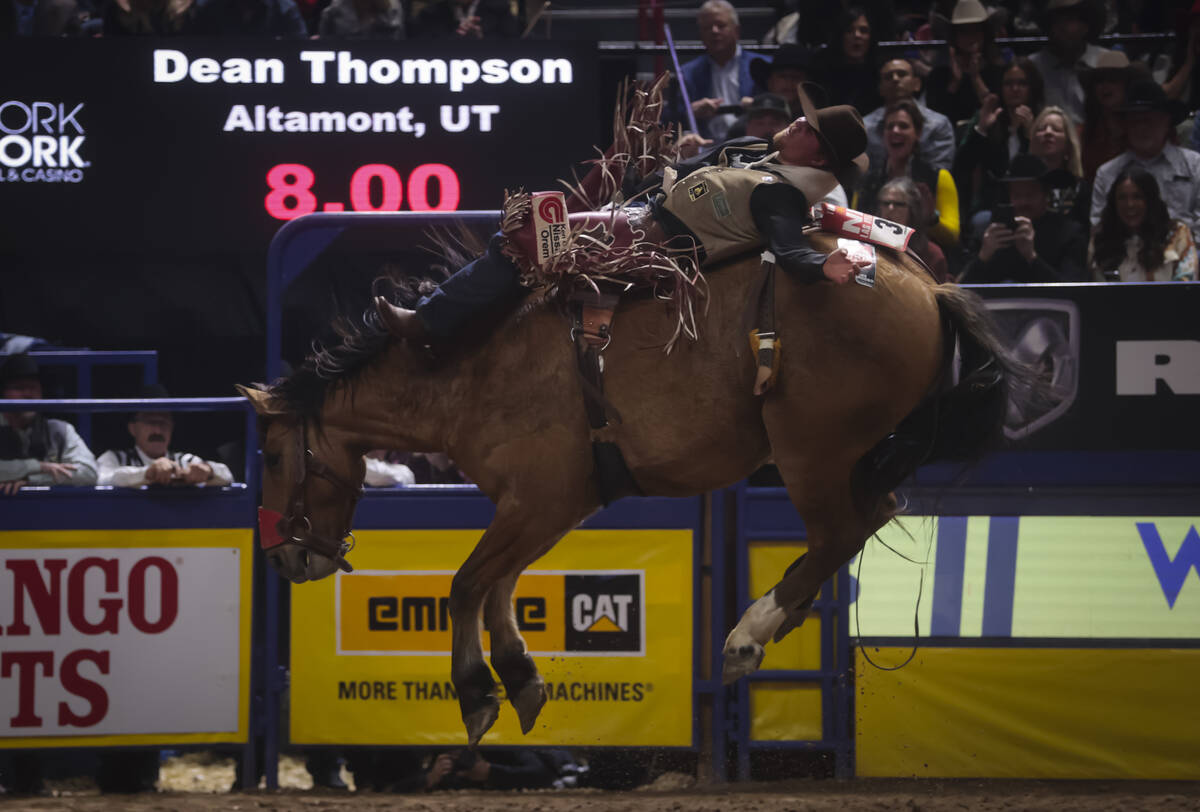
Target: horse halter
{"type": "Point", "coordinates": [295, 527]}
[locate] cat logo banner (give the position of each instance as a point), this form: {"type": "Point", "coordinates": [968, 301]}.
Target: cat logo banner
{"type": "Point", "coordinates": [558, 613]}
{"type": "Point", "coordinates": [607, 615]}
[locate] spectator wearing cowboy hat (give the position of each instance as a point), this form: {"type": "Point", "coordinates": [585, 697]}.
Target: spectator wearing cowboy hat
{"type": "Point", "coordinates": [1069, 27]}
{"type": "Point", "coordinates": [783, 74]}
{"type": "Point", "coordinates": [766, 115]}
{"type": "Point", "coordinates": [721, 77]}
{"type": "Point", "coordinates": [1104, 88]}
{"type": "Point", "coordinates": [35, 450]}
{"type": "Point", "coordinates": [1039, 245]}
{"type": "Point", "coordinates": [151, 461]}
{"type": "Point", "coordinates": [1149, 118]}
{"type": "Point", "coordinates": [898, 81]}
{"type": "Point", "coordinates": [972, 71]}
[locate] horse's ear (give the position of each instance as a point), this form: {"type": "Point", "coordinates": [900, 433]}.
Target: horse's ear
{"type": "Point", "coordinates": [260, 399]}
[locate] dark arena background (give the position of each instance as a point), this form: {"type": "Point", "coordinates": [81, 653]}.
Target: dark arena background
{"type": "Point", "coordinates": [193, 211]}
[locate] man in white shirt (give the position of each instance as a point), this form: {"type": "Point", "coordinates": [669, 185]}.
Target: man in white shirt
{"type": "Point", "coordinates": [898, 80]}
{"type": "Point", "coordinates": [1148, 116]}
{"type": "Point", "coordinates": [1068, 24]}
{"type": "Point", "coordinates": [151, 462]}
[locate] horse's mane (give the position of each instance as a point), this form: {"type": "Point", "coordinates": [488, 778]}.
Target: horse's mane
{"type": "Point", "coordinates": [359, 341]}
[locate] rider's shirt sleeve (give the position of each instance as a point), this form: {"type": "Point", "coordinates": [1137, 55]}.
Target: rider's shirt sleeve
{"type": "Point", "coordinates": [780, 212]}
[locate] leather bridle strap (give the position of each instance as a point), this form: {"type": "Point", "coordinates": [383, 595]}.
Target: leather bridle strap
{"type": "Point", "coordinates": [296, 528]}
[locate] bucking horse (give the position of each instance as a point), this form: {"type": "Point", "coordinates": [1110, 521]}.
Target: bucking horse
{"type": "Point", "coordinates": [873, 383]}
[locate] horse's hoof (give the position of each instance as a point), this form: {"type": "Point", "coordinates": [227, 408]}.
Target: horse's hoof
{"type": "Point", "coordinates": [481, 721]}
{"type": "Point", "coordinates": [740, 661]}
{"type": "Point", "coordinates": [529, 703]}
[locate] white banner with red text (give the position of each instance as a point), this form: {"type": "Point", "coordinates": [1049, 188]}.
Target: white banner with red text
{"type": "Point", "coordinates": [124, 636]}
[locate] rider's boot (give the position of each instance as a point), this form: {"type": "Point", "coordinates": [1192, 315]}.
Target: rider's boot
{"type": "Point", "coordinates": [402, 323]}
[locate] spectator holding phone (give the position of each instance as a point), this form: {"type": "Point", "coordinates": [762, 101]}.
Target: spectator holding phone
{"type": "Point", "coordinates": [1026, 241]}
{"type": "Point", "coordinates": [1137, 241]}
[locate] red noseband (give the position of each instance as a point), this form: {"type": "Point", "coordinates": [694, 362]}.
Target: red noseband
{"type": "Point", "coordinates": [268, 528]}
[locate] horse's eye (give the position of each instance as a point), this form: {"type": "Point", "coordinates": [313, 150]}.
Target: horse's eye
{"type": "Point", "coordinates": [271, 460]}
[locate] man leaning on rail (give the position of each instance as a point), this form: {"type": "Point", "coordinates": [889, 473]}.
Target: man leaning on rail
{"type": "Point", "coordinates": [151, 461]}
{"type": "Point", "coordinates": [36, 450]}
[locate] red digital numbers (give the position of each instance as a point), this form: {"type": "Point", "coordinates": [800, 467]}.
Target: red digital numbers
{"type": "Point", "coordinates": [373, 187]}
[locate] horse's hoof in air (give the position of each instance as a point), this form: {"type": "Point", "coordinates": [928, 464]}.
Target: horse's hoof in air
{"type": "Point", "coordinates": [741, 660]}
{"type": "Point", "coordinates": [529, 703]}
{"type": "Point", "coordinates": [481, 721]}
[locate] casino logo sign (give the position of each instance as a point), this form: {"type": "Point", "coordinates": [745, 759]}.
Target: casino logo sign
{"type": "Point", "coordinates": [40, 142]}
{"type": "Point", "coordinates": [563, 613]}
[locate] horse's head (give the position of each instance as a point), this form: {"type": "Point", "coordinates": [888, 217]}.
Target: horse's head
{"type": "Point", "coordinates": [310, 487]}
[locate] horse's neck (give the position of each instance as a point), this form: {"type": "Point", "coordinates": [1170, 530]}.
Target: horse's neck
{"type": "Point", "coordinates": [396, 404]}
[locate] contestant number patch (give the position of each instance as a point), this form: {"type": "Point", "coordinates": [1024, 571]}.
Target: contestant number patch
{"type": "Point", "coordinates": [698, 191]}
{"type": "Point", "coordinates": [720, 205]}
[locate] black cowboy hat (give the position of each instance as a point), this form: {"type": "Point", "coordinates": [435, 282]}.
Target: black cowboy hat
{"type": "Point", "coordinates": [841, 131]}
{"type": "Point", "coordinates": [1024, 166]}
{"type": "Point", "coordinates": [789, 55]}
{"type": "Point", "coordinates": [1147, 96]}
{"type": "Point", "coordinates": [769, 103]}
{"type": "Point", "coordinates": [151, 391]}
{"type": "Point", "coordinates": [19, 367]}
{"type": "Point", "coordinates": [1090, 10]}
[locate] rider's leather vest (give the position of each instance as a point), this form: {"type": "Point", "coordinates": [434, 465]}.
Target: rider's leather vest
{"type": "Point", "coordinates": [714, 201]}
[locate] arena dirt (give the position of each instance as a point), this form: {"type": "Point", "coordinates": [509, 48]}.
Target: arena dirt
{"type": "Point", "coordinates": [199, 784]}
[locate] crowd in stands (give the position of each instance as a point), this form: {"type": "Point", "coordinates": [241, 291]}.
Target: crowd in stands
{"type": "Point", "coordinates": [948, 101]}
{"type": "Point", "coordinates": [1069, 162]}
{"type": "Point", "coordinates": [295, 19]}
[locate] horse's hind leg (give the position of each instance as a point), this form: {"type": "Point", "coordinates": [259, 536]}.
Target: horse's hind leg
{"type": "Point", "coordinates": [513, 539]}
{"type": "Point", "coordinates": [837, 529]}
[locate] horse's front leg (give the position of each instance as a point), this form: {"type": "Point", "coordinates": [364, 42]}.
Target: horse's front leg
{"type": "Point", "coordinates": [523, 684]}
{"type": "Point", "coordinates": [511, 542]}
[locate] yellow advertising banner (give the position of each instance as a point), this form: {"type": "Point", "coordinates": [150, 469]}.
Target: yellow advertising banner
{"type": "Point", "coordinates": [607, 614]}
{"type": "Point", "coordinates": [124, 637]}
{"type": "Point", "coordinates": [1029, 713]}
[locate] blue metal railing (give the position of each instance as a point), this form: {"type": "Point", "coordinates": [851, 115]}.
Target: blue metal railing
{"type": "Point", "coordinates": [86, 361]}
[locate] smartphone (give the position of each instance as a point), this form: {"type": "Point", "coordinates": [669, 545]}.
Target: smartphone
{"type": "Point", "coordinates": [1003, 214]}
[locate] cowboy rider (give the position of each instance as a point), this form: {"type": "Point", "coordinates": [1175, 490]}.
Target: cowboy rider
{"type": "Point", "coordinates": [736, 197]}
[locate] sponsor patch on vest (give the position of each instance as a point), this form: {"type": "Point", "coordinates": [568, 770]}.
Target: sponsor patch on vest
{"type": "Point", "coordinates": [720, 205]}
{"type": "Point", "coordinates": [698, 191]}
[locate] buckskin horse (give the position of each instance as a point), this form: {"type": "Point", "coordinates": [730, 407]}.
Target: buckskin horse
{"type": "Point", "coordinates": [873, 382]}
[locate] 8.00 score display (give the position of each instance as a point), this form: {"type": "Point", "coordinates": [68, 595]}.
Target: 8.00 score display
{"type": "Point", "coordinates": [373, 187]}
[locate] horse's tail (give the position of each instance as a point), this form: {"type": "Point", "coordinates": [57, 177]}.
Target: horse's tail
{"type": "Point", "coordinates": [963, 418]}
